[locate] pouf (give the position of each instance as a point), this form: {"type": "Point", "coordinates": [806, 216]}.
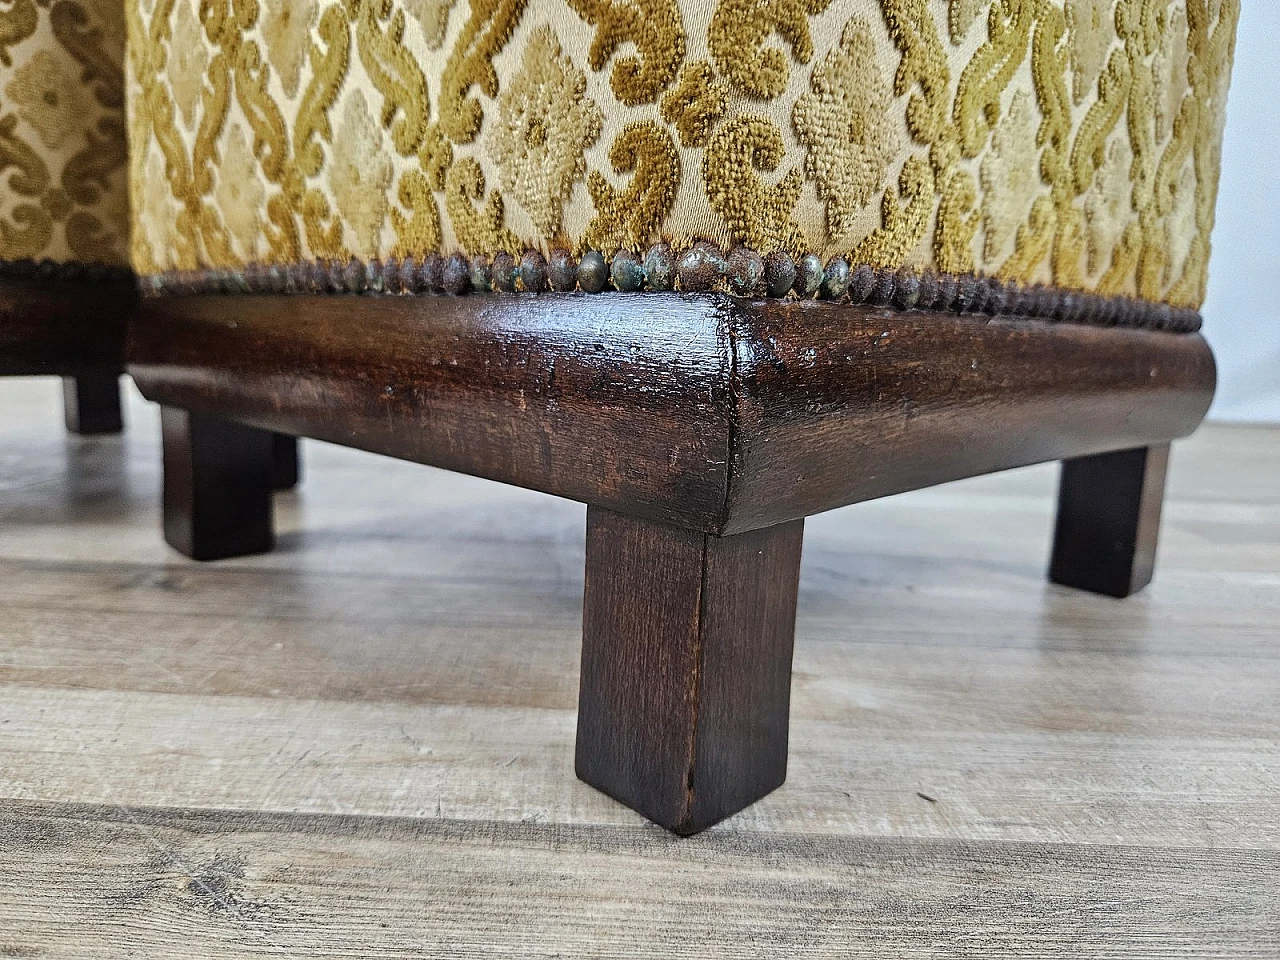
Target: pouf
{"type": "Point", "coordinates": [709, 266]}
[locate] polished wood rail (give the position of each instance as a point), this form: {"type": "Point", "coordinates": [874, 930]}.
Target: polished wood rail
{"type": "Point", "coordinates": [695, 410]}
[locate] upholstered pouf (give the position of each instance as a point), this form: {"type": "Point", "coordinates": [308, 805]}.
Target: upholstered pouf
{"type": "Point", "coordinates": [65, 286]}
{"type": "Point", "coordinates": [710, 266]}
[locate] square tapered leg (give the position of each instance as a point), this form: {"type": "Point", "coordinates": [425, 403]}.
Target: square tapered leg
{"type": "Point", "coordinates": [1109, 520]}
{"type": "Point", "coordinates": [218, 481]}
{"type": "Point", "coordinates": [686, 666]}
{"type": "Point", "coordinates": [91, 403]}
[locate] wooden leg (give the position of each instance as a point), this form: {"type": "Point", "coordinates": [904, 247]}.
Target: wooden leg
{"type": "Point", "coordinates": [217, 486]}
{"type": "Point", "coordinates": [1108, 520]}
{"type": "Point", "coordinates": [686, 666]}
{"type": "Point", "coordinates": [285, 469]}
{"type": "Point", "coordinates": [91, 403]}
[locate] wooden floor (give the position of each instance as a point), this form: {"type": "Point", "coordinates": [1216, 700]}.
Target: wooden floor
{"type": "Point", "coordinates": [362, 745]}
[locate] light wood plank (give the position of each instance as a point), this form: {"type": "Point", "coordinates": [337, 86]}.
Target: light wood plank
{"type": "Point", "coordinates": [211, 884]}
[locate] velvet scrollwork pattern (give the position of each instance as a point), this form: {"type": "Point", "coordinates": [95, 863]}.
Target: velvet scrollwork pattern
{"type": "Point", "coordinates": [1069, 143]}
{"type": "Point", "coordinates": [63, 183]}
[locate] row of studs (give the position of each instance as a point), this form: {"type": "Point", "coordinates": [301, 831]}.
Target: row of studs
{"type": "Point", "coordinates": [58, 270]}
{"type": "Point", "coordinates": [701, 268]}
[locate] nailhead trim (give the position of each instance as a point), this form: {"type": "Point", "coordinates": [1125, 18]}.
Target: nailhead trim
{"type": "Point", "coordinates": [701, 268]}
{"type": "Point", "coordinates": [57, 271]}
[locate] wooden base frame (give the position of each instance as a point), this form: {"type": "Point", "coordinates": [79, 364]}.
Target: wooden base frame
{"type": "Point", "coordinates": [71, 329]}
{"type": "Point", "coordinates": [700, 430]}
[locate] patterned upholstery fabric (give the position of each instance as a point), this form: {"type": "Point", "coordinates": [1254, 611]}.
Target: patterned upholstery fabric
{"type": "Point", "coordinates": [63, 184]}
{"type": "Point", "coordinates": [1066, 143]}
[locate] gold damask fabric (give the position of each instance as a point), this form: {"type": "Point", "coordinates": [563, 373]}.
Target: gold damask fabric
{"type": "Point", "coordinates": [63, 183]}
{"type": "Point", "coordinates": [1072, 143]}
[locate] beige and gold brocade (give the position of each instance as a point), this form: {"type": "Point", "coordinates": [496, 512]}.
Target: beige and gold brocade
{"type": "Point", "coordinates": [63, 182]}
{"type": "Point", "coordinates": [1066, 142]}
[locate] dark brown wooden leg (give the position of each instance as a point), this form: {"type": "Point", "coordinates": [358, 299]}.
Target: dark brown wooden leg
{"type": "Point", "coordinates": [1108, 520]}
{"type": "Point", "coordinates": [686, 666]}
{"type": "Point", "coordinates": [285, 469]}
{"type": "Point", "coordinates": [91, 403]}
{"type": "Point", "coordinates": [217, 486]}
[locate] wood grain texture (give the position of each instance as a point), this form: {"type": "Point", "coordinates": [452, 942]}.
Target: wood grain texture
{"type": "Point", "coordinates": [686, 666]}
{"type": "Point", "coordinates": [838, 406]}
{"type": "Point", "coordinates": [1101, 776]}
{"type": "Point", "coordinates": [544, 392]}
{"type": "Point", "coordinates": [214, 884]}
{"type": "Point", "coordinates": [694, 410]}
{"type": "Point", "coordinates": [1109, 520]}
{"type": "Point", "coordinates": [63, 328]}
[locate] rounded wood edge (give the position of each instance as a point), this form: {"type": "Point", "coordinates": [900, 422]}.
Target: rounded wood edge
{"type": "Point", "coordinates": [836, 407]}
{"type": "Point", "coordinates": [619, 401]}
